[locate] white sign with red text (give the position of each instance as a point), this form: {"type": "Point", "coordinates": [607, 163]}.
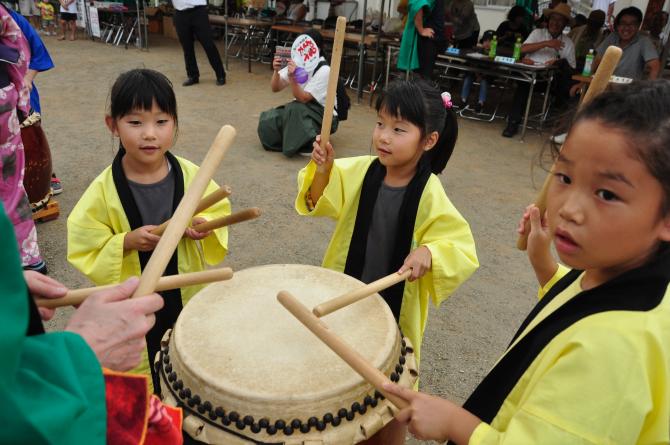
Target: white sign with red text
{"type": "Point", "coordinates": [305, 53]}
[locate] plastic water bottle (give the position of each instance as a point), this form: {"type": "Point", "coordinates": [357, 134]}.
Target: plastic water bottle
{"type": "Point", "coordinates": [588, 63]}
{"type": "Point", "coordinates": [493, 47]}
{"type": "Point", "coordinates": [517, 49]}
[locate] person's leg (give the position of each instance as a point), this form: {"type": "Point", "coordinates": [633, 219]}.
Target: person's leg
{"type": "Point", "coordinates": [73, 29]}
{"type": "Point", "coordinates": [427, 52]}
{"type": "Point", "coordinates": [203, 33]}
{"type": "Point", "coordinates": [483, 89]}
{"type": "Point", "coordinates": [270, 130]}
{"type": "Point", "coordinates": [182, 24]}
{"type": "Point", "coordinates": [63, 28]}
{"type": "Point", "coordinates": [465, 90]}
{"type": "Point", "coordinates": [517, 109]}
{"type": "Point", "coordinates": [301, 124]}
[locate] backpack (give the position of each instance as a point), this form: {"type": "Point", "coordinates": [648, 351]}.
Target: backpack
{"type": "Point", "coordinates": [343, 102]}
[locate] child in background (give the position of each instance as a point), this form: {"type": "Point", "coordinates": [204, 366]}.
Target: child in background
{"type": "Point", "coordinates": [591, 362]}
{"type": "Point", "coordinates": [469, 79]}
{"type": "Point", "coordinates": [391, 209]}
{"type": "Point", "coordinates": [47, 12]}
{"type": "Point", "coordinates": [109, 230]}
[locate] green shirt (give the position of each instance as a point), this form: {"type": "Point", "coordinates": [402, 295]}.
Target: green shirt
{"type": "Point", "coordinates": [51, 385]}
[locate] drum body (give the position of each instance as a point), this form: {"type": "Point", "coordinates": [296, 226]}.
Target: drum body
{"type": "Point", "coordinates": [246, 371]}
{"type": "Point", "coordinates": [37, 177]}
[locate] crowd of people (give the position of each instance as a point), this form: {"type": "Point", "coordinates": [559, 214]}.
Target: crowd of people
{"type": "Point", "coordinates": [555, 37]}
{"type": "Point", "coordinates": [591, 362]}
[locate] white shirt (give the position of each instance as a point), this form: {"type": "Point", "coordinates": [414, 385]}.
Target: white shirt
{"type": "Point", "coordinates": [602, 5]}
{"type": "Point", "coordinates": [180, 5]}
{"type": "Point", "coordinates": [316, 85]}
{"type": "Point", "coordinates": [544, 55]}
{"type": "Point", "coordinates": [71, 8]}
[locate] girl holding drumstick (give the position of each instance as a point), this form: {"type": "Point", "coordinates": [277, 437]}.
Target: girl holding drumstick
{"type": "Point", "coordinates": [109, 230]}
{"type": "Point", "coordinates": [591, 362]}
{"type": "Point", "coordinates": [391, 209]}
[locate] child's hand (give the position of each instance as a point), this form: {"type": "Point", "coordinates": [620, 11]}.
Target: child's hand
{"type": "Point", "coordinates": [427, 417]}
{"type": "Point", "coordinates": [141, 239]}
{"type": "Point", "coordinates": [419, 260]}
{"type": "Point", "coordinates": [190, 232]}
{"type": "Point", "coordinates": [539, 244]}
{"type": "Point", "coordinates": [321, 156]}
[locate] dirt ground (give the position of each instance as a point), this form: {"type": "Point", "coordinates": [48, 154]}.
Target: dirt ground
{"type": "Point", "coordinates": [489, 179]}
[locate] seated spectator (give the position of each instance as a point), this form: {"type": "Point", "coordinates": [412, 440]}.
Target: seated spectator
{"type": "Point", "coordinates": [639, 52]}
{"type": "Point", "coordinates": [545, 46]}
{"type": "Point", "coordinates": [484, 81]}
{"type": "Point", "coordinates": [291, 128]}
{"type": "Point", "coordinates": [587, 37]}
{"type": "Point", "coordinates": [541, 22]}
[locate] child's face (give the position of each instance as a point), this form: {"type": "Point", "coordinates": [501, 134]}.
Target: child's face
{"type": "Point", "coordinates": [145, 134]}
{"type": "Point", "coordinates": [398, 143]}
{"type": "Point", "coordinates": [603, 204]}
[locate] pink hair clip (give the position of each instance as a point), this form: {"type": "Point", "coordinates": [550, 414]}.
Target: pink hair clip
{"type": "Point", "coordinates": [446, 98]}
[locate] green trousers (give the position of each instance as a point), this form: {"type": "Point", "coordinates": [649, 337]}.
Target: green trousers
{"type": "Point", "coordinates": [292, 127]}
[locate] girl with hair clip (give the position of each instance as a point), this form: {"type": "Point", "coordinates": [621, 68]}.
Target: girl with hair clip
{"type": "Point", "coordinates": [591, 362]}
{"type": "Point", "coordinates": [109, 230]}
{"type": "Point", "coordinates": [391, 209]}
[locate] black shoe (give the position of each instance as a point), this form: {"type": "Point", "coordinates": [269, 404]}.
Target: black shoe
{"type": "Point", "coordinates": [479, 107]}
{"type": "Point", "coordinates": [511, 129]}
{"type": "Point", "coordinates": [221, 81]}
{"type": "Point", "coordinates": [40, 267]}
{"type": "Point", "coordinates": [190, 81]}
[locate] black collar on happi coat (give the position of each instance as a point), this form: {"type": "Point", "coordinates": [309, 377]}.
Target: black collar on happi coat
{"type": "Point", "coordinates": [404, 233]}
{"type": "Point", "coordinates": [640, 289]}
{"type": "Point", "coordinates": [167, 316]}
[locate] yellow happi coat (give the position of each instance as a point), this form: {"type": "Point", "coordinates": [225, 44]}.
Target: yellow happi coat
{"type": "Point", "coordinates": [98, 225]}
{"type": "Point", "coordinates": [438, 226]}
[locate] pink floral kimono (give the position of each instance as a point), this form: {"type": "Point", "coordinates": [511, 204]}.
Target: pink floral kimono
{"type": "Point", "coordinates": [12, 161]}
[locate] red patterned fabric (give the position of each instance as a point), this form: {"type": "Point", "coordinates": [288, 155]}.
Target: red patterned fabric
{"type": "Point", "coordinates": [136, 418]}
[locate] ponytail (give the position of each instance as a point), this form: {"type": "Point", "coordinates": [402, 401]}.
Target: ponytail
{"type": "Point", "coordinates": [440, 154]}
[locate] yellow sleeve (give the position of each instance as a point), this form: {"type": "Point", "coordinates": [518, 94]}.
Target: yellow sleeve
{"type": "Point", "coordinates": [601, 389]}
{"type": "Point", "coordinates": [560, 273]}
{"type": "Point", "coordinates": [215, 246]}
{"type": "Point", "coordinates": [331, 202]}
{"type": "Point", "coordinates": [95, 234]}
{"type": "Point", "coordinates": [448, 237]}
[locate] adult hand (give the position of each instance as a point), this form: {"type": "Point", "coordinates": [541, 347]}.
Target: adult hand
{"type": "Point", "coordinates": [190, 232]}
{"type": "Point", "coordinates": [114, 325]}
{"type": "Point", "coordinates": [41, 286]}
{"type": "Point", "coordinates": [321, 156]}
{"type": "Point", "coordinates": [419, 260]}
{"type": "Point", "coordinates": [141, 239]}
{"type": "Point", "coordinates": [554, 44]}
{"type": "Point", "coordinates": [427, 32]}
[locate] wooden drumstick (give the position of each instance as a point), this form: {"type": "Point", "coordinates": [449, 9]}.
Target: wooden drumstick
{"type": "Point", "coordinates": [234, 218]}
{"type": "Point", "coordinates": [598, 84]}
{"type": "Point", "coordinates": [373, 375]}
{"type": "Point", "coordinates": [337, 303]}
{"type": "Point", "coordinates": [184, 212]}
{"type": "Point", "coordinates": [321, 178]}
{"type": "Point", "coordinates": [75, 297]}
{"type": "Point", "coordinates": [206, 202]}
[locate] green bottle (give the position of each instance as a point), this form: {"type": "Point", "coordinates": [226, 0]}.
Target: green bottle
{"type": "Point", "coordinates": [517, 49]}
{"type": "Point", "coordinates": [493, 47]}
{"type": "Point", "coordinates": [588, 63]}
